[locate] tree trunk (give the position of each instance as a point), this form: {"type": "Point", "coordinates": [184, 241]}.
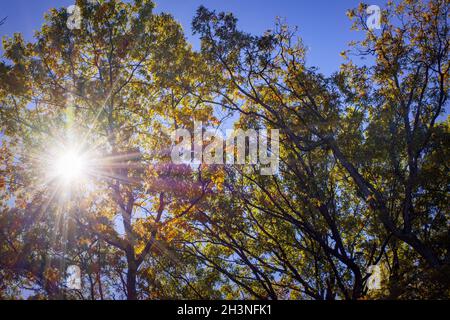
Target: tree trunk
{"type": "Point", "coordinates": [131, 281]}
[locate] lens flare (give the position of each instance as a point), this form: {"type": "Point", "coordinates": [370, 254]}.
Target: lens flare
{"type": "Point", "coordinates": [69, 167]}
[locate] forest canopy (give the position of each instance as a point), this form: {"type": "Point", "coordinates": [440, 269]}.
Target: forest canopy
{"type": "Point", "coordinates": [358, 208]}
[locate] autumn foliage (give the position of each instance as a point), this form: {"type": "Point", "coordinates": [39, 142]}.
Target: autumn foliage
{"type": "Point", "coordinates": [363, 177]}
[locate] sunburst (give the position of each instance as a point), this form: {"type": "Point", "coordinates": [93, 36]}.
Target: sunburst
{"type": "Point", "coordinates": [69, 166]}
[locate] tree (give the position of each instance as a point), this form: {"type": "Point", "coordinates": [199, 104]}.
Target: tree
{"type": "Point", "coordinates": [362, 181]}
{"type": "Point", "coordinates": [105, 90]}
{"type": "Point", "coordinates": [356, 143]}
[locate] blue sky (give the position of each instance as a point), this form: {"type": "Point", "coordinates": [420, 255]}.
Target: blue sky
{"type": "Point", "coordinates": [323, 24]}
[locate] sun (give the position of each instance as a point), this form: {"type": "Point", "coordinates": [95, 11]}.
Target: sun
{"type": "Point", "coordinates": [73, 162]}
{"type": "Point", "coordinates": [70, 166]}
